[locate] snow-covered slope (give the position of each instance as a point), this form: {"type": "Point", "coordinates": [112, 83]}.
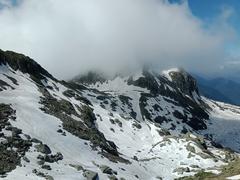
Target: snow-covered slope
{"type": "Point", "coordinates": [147, 126]}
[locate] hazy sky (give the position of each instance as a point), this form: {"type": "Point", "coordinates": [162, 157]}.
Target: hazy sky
{"type": "Point", "coordinates": [69, 37]}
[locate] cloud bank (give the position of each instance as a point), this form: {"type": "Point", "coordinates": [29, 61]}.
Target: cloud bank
{"type": "Point", "coordinates": [74, 36]}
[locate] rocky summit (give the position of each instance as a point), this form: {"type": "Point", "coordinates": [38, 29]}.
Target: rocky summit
{"type": "Point", "coordinates": [149, 125]}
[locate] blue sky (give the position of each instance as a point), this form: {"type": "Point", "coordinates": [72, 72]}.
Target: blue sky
{"type": "Point", "coordinates": [4, 3]}
{"type": "Point", "coordinates": [208, 10]}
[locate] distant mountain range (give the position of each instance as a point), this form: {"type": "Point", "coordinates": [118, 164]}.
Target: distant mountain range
{"type": "Point", "coordinates": [220, 89]}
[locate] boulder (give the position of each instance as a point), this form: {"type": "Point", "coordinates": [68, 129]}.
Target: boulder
{"type": "Point", "coordinates": [90, 175]}
{"type": "Point", "coordinates": [43, 148]}
{"type": "Point", "coordinates": [107, 170]}
{"type": "Point", "coordinates": [181, 170]}
{"type": "Point", "coordinates": [47, 167]}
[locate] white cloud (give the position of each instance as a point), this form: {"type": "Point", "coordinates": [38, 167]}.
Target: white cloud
{"type": "Point", "coordinates": [70, 37]}
{"type": "Point", "coordinates": [5, 4]}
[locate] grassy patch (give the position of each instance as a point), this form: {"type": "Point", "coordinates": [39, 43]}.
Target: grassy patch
{"type": "Point", "coordinates": [232, 169]}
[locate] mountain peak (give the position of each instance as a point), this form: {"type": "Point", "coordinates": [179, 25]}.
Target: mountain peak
{"type": "Point", "coordinates": [24, 64]}
{"type": "Point", "coordinates": [91, 77]}
{"type": "Point", "coordinates": [177, 78]}
{"type": "Point", "coordinates": [182, 80]}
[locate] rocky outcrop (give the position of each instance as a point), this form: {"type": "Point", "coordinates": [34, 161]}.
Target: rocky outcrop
{"type": "Point", "coordinates": [185, 82]}
{"type": "Point", "coordinates": [24, 64]}
{"type": "Point", "coordinates": [89, 78]}
{"type": "Point", "coordinates": [90, 175]}
{"type": "Point", "coordinates": [12, 148]}
{"type": "Point", "coordinates": [43, 148]}
{"type": "Point", "coordinates": [63, 110]}
{"type": "Point", "coordinates": [178, 92]}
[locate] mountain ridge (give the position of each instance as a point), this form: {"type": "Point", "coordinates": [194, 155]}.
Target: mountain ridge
{"type": "Point", "coordinates": [126, 127]}
{"type": "Point", "coordinates": [220, 89]}
{"type": "Point", "coordinates": [23, 63]}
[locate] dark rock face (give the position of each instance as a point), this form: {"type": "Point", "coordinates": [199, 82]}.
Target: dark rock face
{"type": "Point", "coordinates": [63, 110]}
{"type": "Point", "coordinates": [41, 174]}
{"type": "Point", "coordinates": [43, 148]}
{"type": "Point", "coordinates": [24, 64]}
{"type": "Point", "coordinates": [90, 78]}
{"type": "Point", "coordinates": [47, 167]}
{"type": "Point", "coordinates": [185, 82]}
{"type": "Point", "coordinates": [148, 81]}
{"type": "Point", "coordinates": [14, 81]}
{"type": "Point", "coordinates": [179, 115]}
{"type": "Point", "coordinates": [90, 175]}
{"type": "Point", "coordinates": [53, 158]}
{"type": "Point", "coordinates": [182, 91]}
{"type": "Point", "coordinates": [161, 119]}
{"type": "Point", "coordinates": [72, 94]}
{"type": "Point", "coordinates": [184, 85]}
{"type": "Point", "coordinates": [4, 85]}
{"type": "Point", "coordinates": [107, 170]}
{"type": "Point", "coordinates": [10, 159]}
{"type": "Point", "coordinates": [13, 148]}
